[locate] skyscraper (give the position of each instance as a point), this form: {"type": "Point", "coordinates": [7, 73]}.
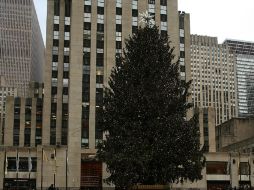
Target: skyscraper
{"type": "Point", "coordinates": [21, 44]}
{"type": "Point", "coordinates": [83, 40]}
{"type": "Point", "coordinates": [244, 57]}
{"type": "Point", "coordinates": [213, 75]}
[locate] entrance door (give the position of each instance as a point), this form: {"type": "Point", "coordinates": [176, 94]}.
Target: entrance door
{"type": "Point", "coordinates": [91, 175]}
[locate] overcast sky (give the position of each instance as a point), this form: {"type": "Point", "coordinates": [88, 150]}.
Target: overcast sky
{"type": "Point", "coordinates": [231, 19]}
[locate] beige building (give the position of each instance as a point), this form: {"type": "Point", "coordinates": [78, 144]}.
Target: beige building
{"type": "Point", "coordinates": [213, 75]}
{"type": "Point", "coordinates": [83, 39]}
{"type": "Point", "coordinates": [5, 91]}
{"type": "Point", "coordinates": [235, 135]}
{"type": "Point", "coordinates": [22, 48]}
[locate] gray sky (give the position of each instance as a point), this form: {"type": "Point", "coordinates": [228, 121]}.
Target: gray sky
{"type": "Point", "coordinates": [231, 19]}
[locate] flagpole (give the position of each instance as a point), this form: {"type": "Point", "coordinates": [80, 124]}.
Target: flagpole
{"type": "Point", "coordinates": [17, 168]}
{"type": "Point", "coordinates": [29, 160]}
{"type": "Point", "coordinates": [66, 169]}
{"type": "Point", "coordinates": [41, 167]}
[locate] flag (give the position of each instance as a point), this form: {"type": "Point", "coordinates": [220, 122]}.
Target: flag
{"type": "Point", "coordinates": [229, 166]}
{"type": "Point", "coordinates": [30, 165]}
{"type": "Point", "coordinates": [6, 164]}
{"type": "Point", "coordinates": [17, 161]}
{"type": "Point", "coordinates": [55, 161]}
{"type": "Point", "coordinates": [45, 158]}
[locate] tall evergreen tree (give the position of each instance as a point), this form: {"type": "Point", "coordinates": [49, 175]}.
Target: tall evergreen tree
{"type": "Point", "coordinates": [148, 140]}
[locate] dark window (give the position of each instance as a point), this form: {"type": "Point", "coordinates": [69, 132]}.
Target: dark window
{"type": "Point", "coordinates": [182, 54]}
{"type": "Point", "coordinates": [65, 91]}
{"type": "Point", "coordinates": [56, 27]}
{"type": "Point", "coordinates": [55, 58]}
{"type": "Point", "coordinates": [85, 94]}
{"type": "Point", "coordinates": [164, 2]}
{"type": "Point", "coordinates": [53, 90]}
{"type": "Point", "coordinates": [118, 45]}
{"type": "Point", "coordinates": [182, 40]}
{"type": "Point", "coordinates": [100, 44]}
{"type": "Point", "coordinates": [56, 43]}
{"type": "Point", "coordinates": [56, 7]}
{"type": "Point", "coordinates": [134, 12]}
{"type": "Point", "coordinates": [182, 68]}
{"type": "Point", "coordinates": [151, 1]}
{"type": "Point", "coordinates": [100, 10]}
{"type": "Point", "coordinates": [66, 59]}
{"type": "Point", "coordinates": [119, 28]}
{"type": "Point", "coordinates": [181, 22]}
{"type": "Point", "coordinates": [164, 33]}
{"type": "Point", "coordinates": [67, 28]}
{"type": "Point", "coordinates": [66, 43]}
{"type": "Point", "coordinates": [65, 74]}
{"type": "Point", "coordinates": [87, 43]}
{"type": "Point", "coordinates": [67, 8]}
{"type": "Point", "coordinates": [100, 27]}
{"type": "Point", "coordinates": [54, 74]}
{"type": "Point", "coordinates": [86, 58]}
{"type": "Point", "coordinates": [118, 10]}
{"type": "Point", "coordinates": [85, 112]}
{"type": "Point", "coordinates": [163, 18]}
{"type": "Point", "coordinates": [86, 79]}
{"type": "Point", "coordinates": [99, 96]}
{"type": "Point", "coordinates": [134, 29]}
{"type": "Point", "coordinates": [99, 79]}
{"type": "Point", "coordinates": [99, 59]}
{"type": "Point", "coordinates": [87, 26]}
{"type": "Point", "coordinates": [87, 9]}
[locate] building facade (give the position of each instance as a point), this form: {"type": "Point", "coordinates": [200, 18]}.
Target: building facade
{"type": "Point", "coordinates": [5, 91]}
{"type": "Point", "coordinates": [237, 133]}
{"type": "Point", "coordinates": [84, 37]}
{"type": "Point", "coordinates": [83, 40]}
{"type": "Point", "coordinates": [22, 48]}
{"type": "Point", "coordinates": [213, 75]}
{"type": "Point", "coordinates": [244, 56]}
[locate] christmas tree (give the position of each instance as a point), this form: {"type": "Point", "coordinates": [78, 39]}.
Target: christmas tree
{"type": "Point", "coordinates": [148, 140]}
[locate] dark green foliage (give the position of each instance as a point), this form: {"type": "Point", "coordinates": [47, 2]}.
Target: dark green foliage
{"type": "Point", "coordinates": [148, 140]}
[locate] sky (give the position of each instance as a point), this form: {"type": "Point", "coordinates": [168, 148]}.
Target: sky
{"type": "Point", "coordinates": [225, 19]}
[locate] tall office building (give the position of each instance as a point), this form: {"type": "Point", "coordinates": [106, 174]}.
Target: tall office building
{"type": "Point", "coordinates": [83, 39]}
{"type": "Point", "coordinates": [244, 56]}
{"type": "Point", "coordinates": [21, 44]}
{"type": "Point", "coordinates": [213, 75]}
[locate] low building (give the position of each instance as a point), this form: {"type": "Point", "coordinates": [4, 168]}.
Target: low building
{"type": "Point", "coordinates": [234, 131]}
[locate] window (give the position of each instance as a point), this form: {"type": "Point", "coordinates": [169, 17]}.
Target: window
{"type": "Point", "coordinates": [134, 4]}
{"type": "Point", "coordinates": [65, 82]}
{"type": "Point", "coordinates": [54, 66]}
{"type": "Point", "coordinates": [66, 67]}
{"type": "Point", "coordinates": [163, 18]}
{"type": "Point", "coordinates": [99, 79]}
{"type": "Point", "coordinates": [87, 17]}
{"type": "Point", "coordinates": [100, 19]}
{"type": "Point", "coordinates": [164, 2]}
{"type": "Point", "coordinates": [118, 11]}
{"type": "Point", "coordinates": [100, 10]}
{"type": "Point", "coordinates": [87, 26]}
{"type": "Point", "coordinates": [87, 8]}
{"type": "Point", "coordinates": [118, 19]}
{"type": "Point", "coordinates": [66, 35]}
{"type": "Point", "coordinates": [99, 59]}
{"type": "Point", "coordinates": [56, 7]}
{"type": "Point", "coordinates": [86, 58]}
{"type": "Point", "coordinates": [100, 3]}
{"type": "Point", "coordinates": [67, 21]}
{"type": "Point", "coordinates": [100, 27]}
{"type": "Point", "coordinates": [134, 12]}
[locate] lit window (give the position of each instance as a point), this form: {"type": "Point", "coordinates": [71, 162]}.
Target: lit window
{"type": "Point", "coordinates": [100, 3]}
{"type": "Point", "coordinates": [67, 21]}
{"type": "Point", "coordinates": [87, 17]}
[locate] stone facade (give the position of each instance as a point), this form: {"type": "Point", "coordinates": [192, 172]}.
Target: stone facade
{"type": "Point", "coordinates": [213, 76]}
